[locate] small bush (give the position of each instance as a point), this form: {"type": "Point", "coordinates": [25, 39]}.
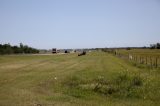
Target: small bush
{"type": "Point", "coordinates": [111, 90]}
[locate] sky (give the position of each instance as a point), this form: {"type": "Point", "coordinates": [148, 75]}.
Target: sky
{"type": "Point", "coordinates": [46, 24]}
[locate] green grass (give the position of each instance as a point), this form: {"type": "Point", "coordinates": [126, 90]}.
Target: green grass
{"type": "Point", "coordinates": [94, 79]}
{"type": "Point", "coordinates": [141, 52]}
{"type": "Point", "coordinates": [149, 57]}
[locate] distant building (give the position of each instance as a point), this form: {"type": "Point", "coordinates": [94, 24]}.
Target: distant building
{"type": "Point", "coordinates": [54, 50]}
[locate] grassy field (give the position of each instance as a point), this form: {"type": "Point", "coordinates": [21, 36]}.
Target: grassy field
{"type": "Point", "coordinates": [96, 79]}
{"type": "Point", "coordinates": [141, 52]}
{"type": "Point", "coordinates": [149, 57]}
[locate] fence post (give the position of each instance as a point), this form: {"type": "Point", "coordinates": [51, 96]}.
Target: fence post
{"type": "Point", "coordinates": [151, 61]}
{"type": "Point", "coordinates": [156, 62]}
{"type": "Point", "coordinates": [146, 60]}
{"type": "Point", "coordinates": [140, 60]}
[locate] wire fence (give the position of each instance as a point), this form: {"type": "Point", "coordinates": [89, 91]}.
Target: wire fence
{"type": "Point", "coordinates": [152, 61]}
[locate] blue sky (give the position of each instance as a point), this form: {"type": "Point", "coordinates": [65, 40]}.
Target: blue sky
{"type": "Point", "coordinates": [46, 24]}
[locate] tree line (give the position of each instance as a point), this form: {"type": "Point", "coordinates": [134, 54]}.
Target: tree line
{"type": "Point", "coordinates": [155, 46]}
{"type": "Point", "coordinates": [152, 46]}
{"type": "Point", "coordinates": [21, 49]}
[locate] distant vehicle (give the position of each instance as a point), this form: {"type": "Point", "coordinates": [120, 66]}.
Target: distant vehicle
{"type": "Point", "coordinates": [54, 50]}
{"type": "Point", "coordinates": [66, 51]}
{"type": "Point", "coordinates": [83, 53]}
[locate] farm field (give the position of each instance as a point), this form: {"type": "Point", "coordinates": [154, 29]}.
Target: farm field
{"type": "Point", "coordinates": [96, 79]}
{"type": "Point", "coordinates": [141, 52]}
{"type": "Point", "coordinates": [149, 57]}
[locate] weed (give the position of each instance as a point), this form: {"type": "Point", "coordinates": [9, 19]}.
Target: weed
{"type": "Point", "coordinates": [137, 81]}
{"type": "Point", "coordinates": [72, 82]}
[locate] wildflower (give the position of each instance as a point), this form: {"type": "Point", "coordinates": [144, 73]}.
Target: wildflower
{"type": "Point", "coordinates": [55, 78]}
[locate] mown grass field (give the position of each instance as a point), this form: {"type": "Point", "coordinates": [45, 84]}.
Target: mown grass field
{"type": "Point", "coordinates": [96, 79]}
{"type": "Point", "coordinates": [141, 52]}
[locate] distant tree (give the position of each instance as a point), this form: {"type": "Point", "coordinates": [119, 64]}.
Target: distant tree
{"type": "Point", "coordinates": [1, 49]}
{"type": "Point", "coordinates": [158, 45]}
{"type": "Point", "coordinates": [21, 48]}
{"type": "Point", "coordinates": [21, 45]}
{"type": "Point", "coordinates": [104, 49]}
{"type": "Point", "coordinates": [8, 49]}
{"type": "Point", "coordinates": [152, 46]}
{"type": "Point", "coordinates": [16, 49]}
{"type": "Point", "coordinates": [128, 48]}
{"type": "Point", "coordinates": [155, 46]}
{"type": "Point", "coordinates": [144, 47]}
